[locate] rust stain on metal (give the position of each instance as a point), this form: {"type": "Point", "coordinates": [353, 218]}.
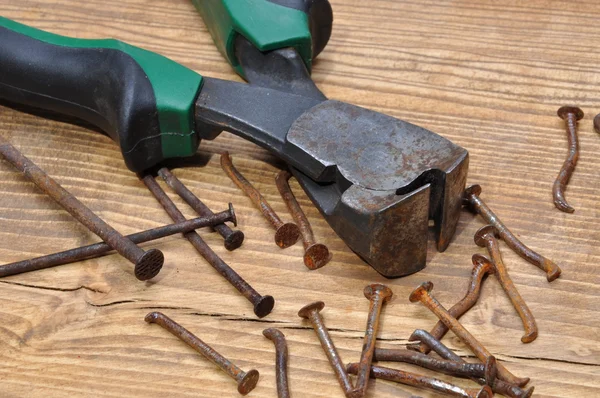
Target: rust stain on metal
{"type": "Point", "coordinates": [281, 361]}
{"type": "Point", "coordinates": [570, 114]}
{"type": "Point", "coordinates": [486, 237]}
{"type": "Point", "coordinates": [99, 249]}
{"type": "Point", "coordinates": [420, 381]}
{"type": "Point", "coordinates": [472, 200]}
{"type": "Point", "coordinates": [480, 270]}
{"type": "Point", "coordinates": [147, 263]}
{"type": "Point", "coordinates": [422, 294]}
{"type": "Point", "coordinates": [286, 234]}
{"type": "Point", "coordinates": [233, 239]}
{"type": "Point", "coordinates": [316, 254]}
{"type": "Point", "coordinates": [498, 386]}
{"type": "Point", "coordinates": [262, 304]}
{"type": "Point", "coordinates": [312, 313]}
{"type": "Point", "coordinates": [378, 295]}
{"type": "Point", "coordinates": [246, 380]}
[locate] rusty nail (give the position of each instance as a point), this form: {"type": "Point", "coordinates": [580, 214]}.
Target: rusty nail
{"type": "Point", "coordinates": [262, 304]}
{"type": "Point", "coordinates": [312, 313]}
{"type": "Point", "coordinates": [98, 249]}
{"type": "Point", "coordinates": [420, 381]}
{"type": "Point", "coordinates": [480, 270]}
{"type": "Point", "coordinates": [147, 263]}
{"type": "Point", "coordinates": [316, 255]}
{"type": "Point", "coordinates": [474, 202]}
{"type": "Point", "coordinates": [281, 360]}
{"type": "Point", "coordinates": [287, 234]}
{"type": "Point", "coordinates": [571, 114]}
{"type": "Point", "coordinates": [233, 239]}
{"type": "Point", "coordinates": [498, 386]}
{"type": "Point", "coordinates": [422, 294]}
{"type": "Point", "coordinates": [486, 237]}
{"type": "Point", "coordinates": [377, 294]}
{"type": "Point", "coordinates": [597, 123]}
{"type": "Point", "coordinates": [246, 380]}
{"type": "Point", "coordinates": [453, 368]}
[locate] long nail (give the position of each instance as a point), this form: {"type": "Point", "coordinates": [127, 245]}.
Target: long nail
{"type": "Point", "coordinates": [480, 270]}
{"type": "Point", "coordinates": [286, 234]}
{"type": "Point", "coordinates": [416, 380]}
{"type": "Point", "coordinates": [498, 386]}
{"type": "Point", "coordinates": [98, 249]}
{"type": "Point", "coordinates": [233, 239]}
{"type": "Point", "coordinates": [312, 313]}
{"type": "Point", "coordinates": [316, 255]}
{"type": "Point", "coordinates": [281, 361]}
{"type": "Point", "coordinates": [246, 380]}
{"type": "Point", "coordinates": [464, 370]}
{"type": "Point", "coordinates": [472, 200]}
{"type": "Point", "coordinates": [571, 114]}
{"type": "Point", "coordinates": [485, 237]}
{"type": "Point", "coordinates": [378, 295]}
{"type": "Point", "coordinates": [147, 263]}
{"type": "Point", "coordinates": [262, 304]}
{"type": "Point", "coordinates": [422, 294]}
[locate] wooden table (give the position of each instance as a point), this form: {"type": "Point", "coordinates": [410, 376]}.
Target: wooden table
{"type": "Point", "coordinates": [488, 75]}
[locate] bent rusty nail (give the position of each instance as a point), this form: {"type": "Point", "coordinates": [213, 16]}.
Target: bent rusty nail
{"type": "Point", "coordinates": [570, 114]}
{"type": "Point", "coordinates": [286, 234]}
{"type": "Point", "coordinates": [281, 361]}
{"type": "Point", "coordinates": [498, 386]}
{"type": "Point", "coordinates": [420, 381]}
{"type": "Point", "coordinates": [147, 263]}
{"type": "Point", "coordinates": [232, 239]}
{"type": "Point", "coordinates": [312, 313]}
{"type": "Point", "coordinates": [316, 254]}
{"type": "Point", "coordinates": [99, 249]}
{"type": "Point", "coordinates": [485, 237]}
{"type": "Point", "coordinates": [464, 370]}
{"type": "Point", "coordinates": [378, 295]}
{"type": "Point", "coordinates": [597, 123]}
{"type": "Point", "coordinates": [263, 305]}
{"type": "Point", "coordinates": [246, 380]}
{"type": "Point", "coordinates": [422, 294]}
{"type": "Point", "coordinates": [472, 200]}
{"type": "Point", "coordinates": [480, 270]}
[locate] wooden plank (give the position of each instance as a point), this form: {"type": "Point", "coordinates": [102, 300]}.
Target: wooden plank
{"type": "Point", "coordinates": [487, 75]}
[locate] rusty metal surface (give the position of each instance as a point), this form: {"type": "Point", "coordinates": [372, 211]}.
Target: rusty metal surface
{"type": "Point", "coordinates": [420, 381]}
{"type": "Point", "coordinates": [378, 295]}
{"type": "Point", "coordinates": [263, 305]}
{"type": "Point", "coordinates": [570, 114]}
{"type": "Point", "coordinates": [246, 380]}
{"type": "Point", "coordinates": [486, 237]}
{"type": "Point", "coordinates": [370, 168]}
{"type": "Point", "coordinates": [147, 263]}
{"type": "Point", "coordinates": [475, 204]}
{"type": "Point", "coordinates": [498, 386]}
{"type": "Point", "coordinates": [286, 234]}
{"type": "Point", "coordinates": [458, 369]}
{"type": "Point", "coordinates": [422, 294]}
{"type": "Point", "coordinates": [281, 361]}
{"type": "Point", "coordinates": [312, 313]}
{"type": "Point", "coordinates": [316, 255]}
{"type": "Point", "coordinates": [99, 249]}
{"type": "Point", "coordinates": [479, 272]}
{"type": "Point", "coordinates": [232, 239]}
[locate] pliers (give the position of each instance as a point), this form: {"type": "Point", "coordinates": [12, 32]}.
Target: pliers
{"type": "Point", "coordinates": [376, 179]}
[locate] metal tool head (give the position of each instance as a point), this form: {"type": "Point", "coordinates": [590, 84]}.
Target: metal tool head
{"type": "Point", "coordinates": [377, 180]}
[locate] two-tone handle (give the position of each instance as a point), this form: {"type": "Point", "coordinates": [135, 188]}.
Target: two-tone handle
{"type": "Point", "coordinates": [144, 101]}
{"type": "Point", "coordinates": [269, 25]}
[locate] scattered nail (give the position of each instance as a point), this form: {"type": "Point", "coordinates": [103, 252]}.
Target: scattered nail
{"type": "Point", "coordinates": [570, 114]}
{"type": "Point", "coordinates": [281, 361]}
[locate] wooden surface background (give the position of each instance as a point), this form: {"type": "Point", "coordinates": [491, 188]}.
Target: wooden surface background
{"type": "Point", "coordinates": [488, 75]}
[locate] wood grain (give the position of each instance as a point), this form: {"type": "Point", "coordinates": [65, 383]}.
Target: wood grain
{"type": "Point", "coordinates": [488, 75]}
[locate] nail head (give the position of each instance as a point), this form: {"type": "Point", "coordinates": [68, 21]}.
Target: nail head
{"type": "Point", "coordinates": [149, 265]}
{"type": "Point", "coordinates": [249, 381]}
{"type": "Point", "coordinates": [264, 306]}
{"type": "Point", "coordinates": [307, 309]}
{"type": "Point", "coordinates": [423, 288]}
{"type": "Point", "coordinates": [287, 235]}
{"type": "Point", "coordinates": [234, 240]}
{"type": "Point", "coordinates": [377, 288]}
{"type": "Point", "coordinates": [481, 236]}
{"type": "Point", "coordinates": [564, 111]}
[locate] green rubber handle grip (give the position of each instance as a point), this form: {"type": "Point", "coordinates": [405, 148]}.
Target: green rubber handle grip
{"type": "Point", "coordinates": [269, 25]}
{"type": "Point", "coordinates": [144, 101]}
